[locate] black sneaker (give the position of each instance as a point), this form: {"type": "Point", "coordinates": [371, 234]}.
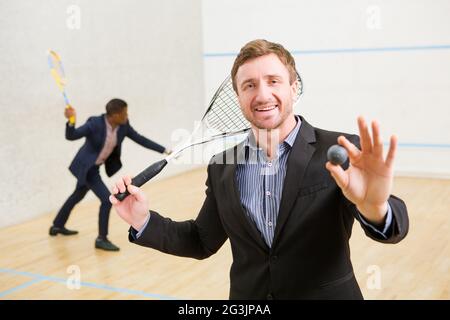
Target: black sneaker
{"type": "Point", "coordinates": [55, 230]}
{"type": "Point", "coordinates": [105, 244]}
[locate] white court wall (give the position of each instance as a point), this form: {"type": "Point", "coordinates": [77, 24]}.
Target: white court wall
{"type": "Point", "coordinates": [385, 60]}
{"type": "Point", "coordinates": [148, 53]}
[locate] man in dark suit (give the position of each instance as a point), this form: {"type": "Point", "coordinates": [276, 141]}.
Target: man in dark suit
{"type": "Point", "coordinates": [287, 212]}
{"type": "Point", "coordinates": [104, 135]}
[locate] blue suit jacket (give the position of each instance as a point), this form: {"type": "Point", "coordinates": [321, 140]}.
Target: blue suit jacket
{"type": "Point", "coordinates": [94, 130]}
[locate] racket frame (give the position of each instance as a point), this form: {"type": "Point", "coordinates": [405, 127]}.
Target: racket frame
{"type": "Point", "coordinates": [60, 79]}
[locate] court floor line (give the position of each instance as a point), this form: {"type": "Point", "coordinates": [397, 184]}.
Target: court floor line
{"type": "Point", "coordinates": [23, 285]}
{"type": "Point", "coordinates": [38, 277]}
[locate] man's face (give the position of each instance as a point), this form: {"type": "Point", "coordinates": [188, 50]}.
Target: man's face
{"type": "Point", "coordinates": [265, 95]}
{"type": "Point", "coordinates": [121, 117]}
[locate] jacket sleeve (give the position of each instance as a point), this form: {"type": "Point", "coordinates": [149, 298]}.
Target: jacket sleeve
{"type": "Point", "coordinates": [400, 222]}
{"type": "Point", "coordinates": [73, 133]}
{"type": "Point", "coordinates": [399, 226]}
{"type": "Point", "coordinates": [143, 141]}
{"type": "Point", "coordinates": [199, 238]}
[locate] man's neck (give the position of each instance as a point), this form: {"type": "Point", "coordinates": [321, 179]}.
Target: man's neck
{"type": "Point", "coordinates": [269, 139]}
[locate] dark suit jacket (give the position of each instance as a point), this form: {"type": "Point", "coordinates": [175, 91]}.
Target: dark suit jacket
{"type": "Point", "coordinates": [94, 130]}
{"type": "Point", "coordinates": [310, 254]}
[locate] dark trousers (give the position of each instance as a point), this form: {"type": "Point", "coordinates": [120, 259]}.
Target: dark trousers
{"type": "Point", "coordinates": [93, 182]}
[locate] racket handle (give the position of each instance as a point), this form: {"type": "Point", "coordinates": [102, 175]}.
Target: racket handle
{"type": "Point", "coordinates": [143, 177]}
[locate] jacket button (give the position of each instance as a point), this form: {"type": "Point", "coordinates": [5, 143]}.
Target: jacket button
{"type": "Point", "coordinates": [269, 296]}
{"type": "Point", "coordinates": [274, 258]}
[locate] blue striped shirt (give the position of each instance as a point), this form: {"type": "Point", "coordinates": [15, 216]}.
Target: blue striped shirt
{"type": "Point", "coordinates": [260, 182]}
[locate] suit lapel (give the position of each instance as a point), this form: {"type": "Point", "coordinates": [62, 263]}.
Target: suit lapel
{"type": "Point", "coordinates": [121, 132]}
{"type": "Point", "coordinates": [229, 181]}
{"type": "Point", "coordinates": [102, 124]}
{"type": "Point", "coordinates": [299, 157]}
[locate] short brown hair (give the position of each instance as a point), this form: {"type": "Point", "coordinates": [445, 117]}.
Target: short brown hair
{"type": "Point", "coordinates": [115, 106]}
{"type": "Point", "coordinates": [258, 48]}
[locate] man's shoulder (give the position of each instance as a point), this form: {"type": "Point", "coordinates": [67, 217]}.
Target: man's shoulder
{"type": "Point", "coordinates": [96, 119]}
{"type": "Point", "coordinates": [323, 134]}
{"type": "Point", "coordinates": [96, 122]}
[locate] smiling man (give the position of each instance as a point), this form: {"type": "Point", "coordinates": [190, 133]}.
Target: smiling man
{"type": "Point", "coordinates": [287, 211]}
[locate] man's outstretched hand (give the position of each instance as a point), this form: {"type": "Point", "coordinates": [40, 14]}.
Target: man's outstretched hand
{"type": "Point", "coordinates": [368, 180]}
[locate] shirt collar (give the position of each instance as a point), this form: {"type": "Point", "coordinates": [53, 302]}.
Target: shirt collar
{"type": "Point", "coordinates": [250, 141]}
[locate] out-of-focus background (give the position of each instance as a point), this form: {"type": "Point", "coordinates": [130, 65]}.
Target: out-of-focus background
{"type": "Point", "coordinates": [385, 60]}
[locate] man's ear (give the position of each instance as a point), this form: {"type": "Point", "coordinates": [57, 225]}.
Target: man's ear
{"type": "Point", "coordinates": [294, 88]}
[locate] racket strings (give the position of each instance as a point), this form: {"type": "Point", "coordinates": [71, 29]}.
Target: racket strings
{"type": "Point", "coordinates": [56, 68]}
{"type": "Point", "coordinates": [224, 114]}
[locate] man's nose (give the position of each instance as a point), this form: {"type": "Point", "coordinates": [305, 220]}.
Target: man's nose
{"type": "Point", "coordinates": [263, 93]}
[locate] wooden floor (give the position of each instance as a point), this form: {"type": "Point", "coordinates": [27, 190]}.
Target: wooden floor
{"type": "Point", "coordinates": [36, 266]}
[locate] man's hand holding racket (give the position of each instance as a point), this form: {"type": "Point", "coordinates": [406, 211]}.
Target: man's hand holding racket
{"type": "Point", "coordinates": [134, 208]}
{"type": "Point", "coordinates": [70, 114]}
